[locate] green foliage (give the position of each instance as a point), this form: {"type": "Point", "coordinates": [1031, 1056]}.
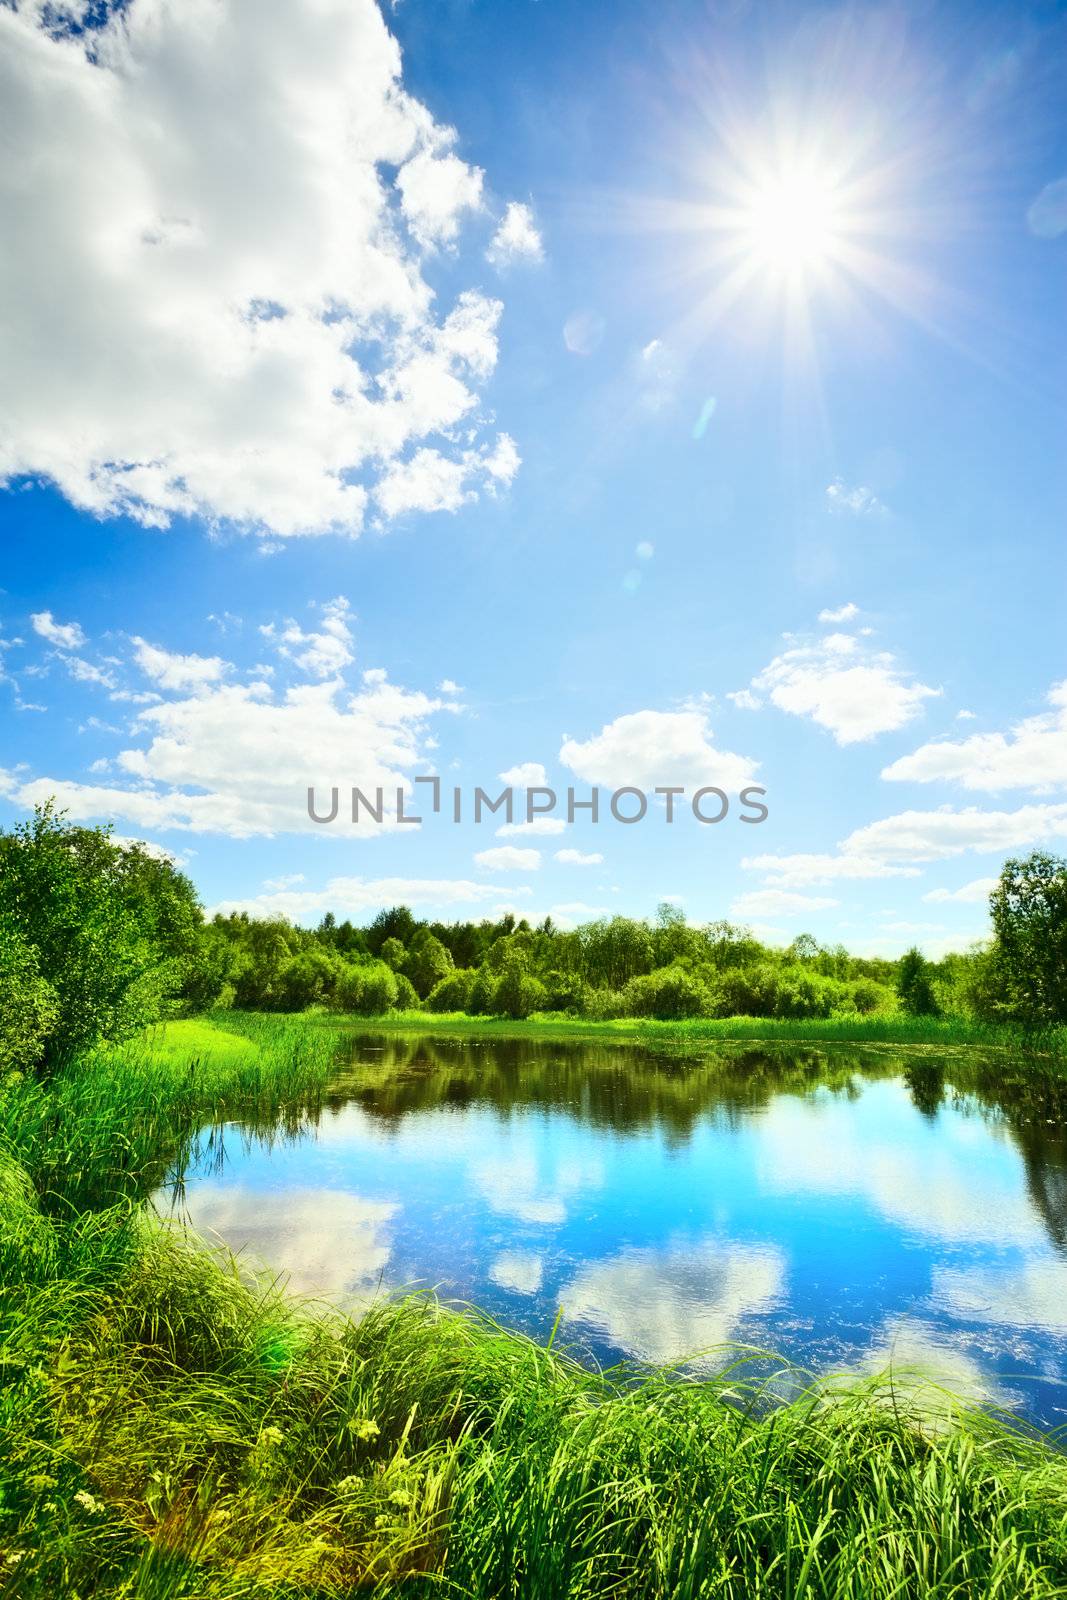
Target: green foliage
{"type": "Point", "coordinates": [915, 985]}
{"type": "Point", "coordinates": [517, 993]}
{"type": "Point", "coordinates": [1029, 958]}
{"type": "Point", "coordinates": [368, 990]}
{"type": "Point", "coordinates": [406, 997]}
{"type": "Point", "coordinates": [453, 992]}
{"type": "Point", "coordinates": [670, 993]}
{"type": "Point", "coordinates": [29, 1009]}
{"type": "Point", "coordinates": [427, 962]}
{"type": "Point", "coordinates": [110, 928]}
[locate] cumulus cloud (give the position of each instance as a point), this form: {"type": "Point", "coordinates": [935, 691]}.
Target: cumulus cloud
{"type": "Point", "coordinates": [64, 635]}
{"type": "Point", "coordinates": [937, 835]}
{"type": "Point", "coordinates": [218, 306]}
{"type": "Point", "coordinates": [856, 500]}
{"type": "Point", "coordinates": [517, 238]}
{"type": "Point", "coordinates": [539, 825]}
{"type": "Point", "coordinates": [508, 858]}
{"type": "Point", "coordinates": [579, 858]}
{"type": "Point", "coordinates": [322, 653]}
{"type": "Point", "coordinates": [173, 671]}
{"type": "Point", "coordinates": [843, 613]}
{"type": "Point", "coordinates": [968, 894]}
{"type": "Point", "coordinates": [1033, 755]}
{"type": "Point", "coordinates": [644, 749]}
{"type": "Point", "coordinates": [527, 775]}
{"type": "Point", "coordinates": [844, 686]}
{"type": "Point", "coordinates": [216, 756]}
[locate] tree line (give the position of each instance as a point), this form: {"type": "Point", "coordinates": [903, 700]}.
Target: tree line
{"type": "Point", "coordinates": [99, 939]}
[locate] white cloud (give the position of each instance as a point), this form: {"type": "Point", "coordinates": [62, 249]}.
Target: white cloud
{"type": "Point", "coordinates": [539, 826]}
{"type": "Point", "coordinates": [237, 759]}
{"type": "Point", "coordinates": [798, 871]}
{"type": "Point", "coordinates": [858, 501]}
{"type": "Point", "coordinates": [1032, 756]}
{"type": "Point", "coordinates": [843, 613]}
{"type": "Point", "coordinates": [937, 835]}
{"type": "Point", "coordinates": [86, 672]}
{"type": "Point", "coordinates": [644, 749]}
{"type": "Point", "coordinates": [218, 307]}
{"type": "Point", "coordinates": [64, 635]}
{"type": "Point", "coordinates": [744, 699]}
{"type": "Point", "coordinates": [527, 775]}
{"type": "Point", "coordinates": [447, 686]}
{"type": "Point", "coordinates": [173, 671]}
{"type": "Point", "coordinates": [965, 716]}
{"type": "Point", "coordinates": [579, 858]}
{"type": "Point", "coordinates": [844, 686]}
{"type": "Point", "coordinates": [435, 191]}
{"type": "Point", "coordinates": [324, 653]}
{"type": "Point", "coordinates": [508, 858]}
{"type": "Point", "coordinates": [355, 897]}
{"type": "Point", "coordinates": [431, 481]}
{"type": "Point", "coordinates": [286, 881]}
{"type": "Point", "coordinates": [976, 892]}
{"type": "Point", "coordinates": [778, 903]}
{"type": "Point", "coordinates": [517, 237]}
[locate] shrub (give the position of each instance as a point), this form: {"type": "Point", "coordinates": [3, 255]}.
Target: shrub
{"type": "Point", "coordinates": [669, 994]}
{"type": "Point", "coordinates": [480, 999]}
{"type": "Point", "coordinates": [915, 985]}
{"type": "Point", "coordinates": [308, 979]}
{"type": "Point", "coordinates": [366, 990]}
{"type": "Point", "coordinates": [453, 992]}
{"type": "Point", "coordinates": [110, 927]}
{"type": "Point", "coordinates": [517, 993]}
{"type": "Point", "coordinates": [406, 998]}
{"type": "Point", "coordinates": [29, 1009]}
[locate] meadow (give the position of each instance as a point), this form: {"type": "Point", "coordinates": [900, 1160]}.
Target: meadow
{"type": "Point", "coordinates": [173, 1425]}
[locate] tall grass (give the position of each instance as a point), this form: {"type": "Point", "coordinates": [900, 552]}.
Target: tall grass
{"type": "Point", "coordinates": [169, 1427]}
{"type": "Point", "coordinates": [897, 1029]}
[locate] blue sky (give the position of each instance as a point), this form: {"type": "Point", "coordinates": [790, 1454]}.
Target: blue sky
{"type": "Point", "coordinates": [682, 385]}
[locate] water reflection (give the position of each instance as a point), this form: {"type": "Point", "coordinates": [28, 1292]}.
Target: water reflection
{"type": "Point", "coordinates": [838, 1206]}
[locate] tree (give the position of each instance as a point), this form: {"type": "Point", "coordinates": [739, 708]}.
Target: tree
{"type": "Point", "coordinates": [427, 962]}
{"type": "Point", "coordinates": [915, 985]}
{"type": "Point", "coordinates": [1029, 912]}
{"type": "Point", "coordinates": [29, 1009]}
{"type": "Point", "coordinates": [110, 927]}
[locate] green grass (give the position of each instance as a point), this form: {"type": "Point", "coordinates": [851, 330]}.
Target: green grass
{"type": "Point", "coordinates": [943, 1032]}
{"type": "Point", "coordinates": [170, 1427]}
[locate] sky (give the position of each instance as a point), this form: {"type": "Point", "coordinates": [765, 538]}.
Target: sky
{"type": "Point", "coordinates": [615, 395]}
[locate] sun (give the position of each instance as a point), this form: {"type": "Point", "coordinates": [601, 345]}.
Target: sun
{"type": "Point", "coordinates": [793, 224]}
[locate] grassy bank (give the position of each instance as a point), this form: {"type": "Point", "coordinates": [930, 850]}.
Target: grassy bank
{"type": "Point", "coordinates": [946, 1033]}
{"type": "Point", "coordinates": [169, 1427]}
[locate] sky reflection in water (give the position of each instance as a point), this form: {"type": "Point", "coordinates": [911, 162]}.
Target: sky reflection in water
{"type": "Point", "coordinates": [837, 1207]}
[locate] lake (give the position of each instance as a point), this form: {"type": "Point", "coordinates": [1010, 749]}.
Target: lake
{"type": "Point", "coordinates": [837, 1206]}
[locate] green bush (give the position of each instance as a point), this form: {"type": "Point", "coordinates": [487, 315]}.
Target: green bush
{"type": "Point", "coordinates": [29, 1009]}
{"type": "Point", "coordinates": [366, 990]}
{"type": "Point", "coordinates": [406, 997]}
{"type": "Point", "coordinates": [453, 992]}
{"type": "Point", "coordinates": [110, 927]}
{"type": "Point", "coordinates": [669, 994]}
{"type": "Point", "coordinates": [517, 993]}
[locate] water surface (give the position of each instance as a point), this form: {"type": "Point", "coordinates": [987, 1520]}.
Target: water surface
{"type": "Point", "coordinates": [837, 1206]}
